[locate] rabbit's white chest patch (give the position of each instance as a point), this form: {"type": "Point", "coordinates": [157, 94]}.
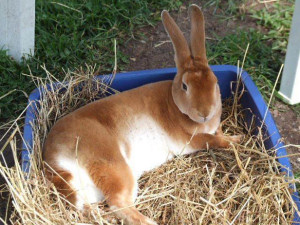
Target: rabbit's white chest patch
{"type": "Point", "coordinates": [149, 146]}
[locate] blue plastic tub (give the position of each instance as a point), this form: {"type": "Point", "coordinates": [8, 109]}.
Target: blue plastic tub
{"type": "Point", "coordinates": [226, 74]}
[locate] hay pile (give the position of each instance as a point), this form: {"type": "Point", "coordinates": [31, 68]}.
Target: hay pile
{"type": "Point", "coordinates": [240, 185]}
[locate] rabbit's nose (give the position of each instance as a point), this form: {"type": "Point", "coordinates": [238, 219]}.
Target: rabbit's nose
{"type": "Point", "coordinates": [204, 117]}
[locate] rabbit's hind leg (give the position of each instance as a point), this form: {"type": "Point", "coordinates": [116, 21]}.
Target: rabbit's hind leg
{"type": "Point", "coordinates": [61, 180]}
{"type": "Point", "coordinates": [118, 185]}
{"type": "Point", "coordinates": [74, 182]}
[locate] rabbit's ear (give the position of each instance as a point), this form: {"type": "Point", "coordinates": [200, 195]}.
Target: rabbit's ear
{"type": "Point", "coordinates": [182, 51]}
{"type": "Point", "coordinates": [197, 34]}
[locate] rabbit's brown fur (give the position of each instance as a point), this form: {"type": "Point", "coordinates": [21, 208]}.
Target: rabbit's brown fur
{"type": "Point", "coordinates": [106, 145]}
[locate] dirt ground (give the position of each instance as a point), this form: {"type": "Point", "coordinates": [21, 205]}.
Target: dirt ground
{"type": "Point", "coordinates": [289, 127]}
{"type": "Point", "coordinates": [156, 51]}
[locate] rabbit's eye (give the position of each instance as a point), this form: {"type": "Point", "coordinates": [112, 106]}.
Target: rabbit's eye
{"type": "Point", "coordinates": [184, 87]}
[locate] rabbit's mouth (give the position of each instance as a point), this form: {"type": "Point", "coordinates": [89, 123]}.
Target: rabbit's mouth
{"type": "Point", "coordinates": [204, 119]}
{"type": "Point", "coordinates": [198, 118]}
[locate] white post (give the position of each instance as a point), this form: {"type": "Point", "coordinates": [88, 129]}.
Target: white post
{"type": "Point", "coordinates": [17, 20]}
{"type": "Point", "coordinates": [290, 82]}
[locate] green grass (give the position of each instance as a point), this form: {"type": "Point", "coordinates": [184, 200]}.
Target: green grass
{"type": "Point", "coordinates": [227, 8]}
{"type": "Point", "coordinates": [12, 80]}
{"type": "Point", "coordinates": [70, 34]}
{"type": "Point", "coordinates": [277, 20]}
{"type": "Point", "coordinates": [267, 50]}
{"type": "Point", "coordinates": [262, 62]}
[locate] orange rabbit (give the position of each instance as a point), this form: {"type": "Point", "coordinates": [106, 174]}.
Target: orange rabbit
{"type": "Point", "coordinates": [100, 150]}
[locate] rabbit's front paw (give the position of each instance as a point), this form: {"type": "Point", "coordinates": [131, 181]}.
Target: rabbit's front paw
{"type": "Point", "coordinates": [236, 138]}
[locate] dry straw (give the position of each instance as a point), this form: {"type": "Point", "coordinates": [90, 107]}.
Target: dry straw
{"type": "Point", "coordinates": [239, 185]}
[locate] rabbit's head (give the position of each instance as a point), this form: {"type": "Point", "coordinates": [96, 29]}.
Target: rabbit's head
{"type": "Point", "coordinates": [195, 88]}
